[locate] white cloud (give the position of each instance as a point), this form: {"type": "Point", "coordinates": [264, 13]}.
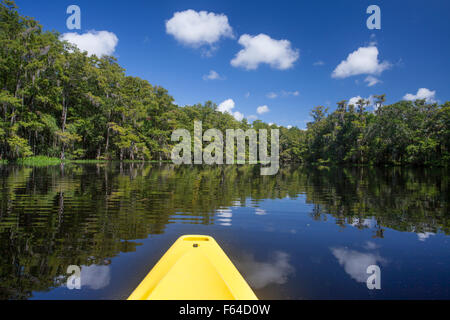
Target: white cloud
{"type": "Point", "coordinates": [373, 38]}
{"type": "Point", "coordinates": [247, 94]}
{"type": "Point", "coordinates": [224, 213]}
{"type": "Point", "coordinates": [97, 43]}
{"type": "Point", "coordinates": [289, 127]}
{"type": "Point", "coordinates": [422, 93]}
{"type": "Point", "coordinates": [227, 106]}
{"type": "Point", "coordinates": [369, 223]}
{"type": "Point", "coordinates": [362, 61]}
{"type": "Point", "coordinates": [371, 245]}
{"type": "Point", "coordinates": [263, 49]}
{"type": "Point", "coordinates": [224, 217]}
{"type": "Point", "coordinates": [236, 204]}
{"type": "Point", "coordinates": [291, 93]}
{"type": "Point", "coordinates": [425, 235]}
{"type": "Point", "coordinates": [318, 63]}
{"type": "Point", "coordinates": [354, 101]}
{"type": "Point", "coordinates": [252, 117]}
{"type": "Point", "coordinates": [238, 116]}
{"type": "Point", "coordinates": [94, 276]}
{"type": "Point", "coordinates": [198, 28]}
{"type": "Point", "coordinates": [260, 212]}
{"type": "Point", "coordinates": [355, 263]}
{"type": "Point", "coordinates": [273, 95]}
{"type": "Point", "coordinates": [262, 109]}
{"type": "Point", "coordinates": [261, 274]}
{"type": "Point", "coordinates": [212, 75]}
{"type": "Point", "coordinates": [371, 81]}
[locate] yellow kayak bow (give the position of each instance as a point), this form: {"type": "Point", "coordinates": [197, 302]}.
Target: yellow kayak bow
{"type": "Point", "coordinates": [194, 268]}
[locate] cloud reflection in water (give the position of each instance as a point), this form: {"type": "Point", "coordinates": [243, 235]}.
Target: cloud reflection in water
{"type": "Point", "coordinates": [95, 277]}
{"type": "Point", "coordinates": [261, 274]}
{"type": "Point", "coordinates": [355, 263]}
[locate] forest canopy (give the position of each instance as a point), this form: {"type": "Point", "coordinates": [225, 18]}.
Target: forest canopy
{"type": "Point", "coordinates": [57, 101]}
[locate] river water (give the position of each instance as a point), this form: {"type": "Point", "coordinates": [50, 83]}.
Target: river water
{"type": "Point", "coordinates": [305, 233]}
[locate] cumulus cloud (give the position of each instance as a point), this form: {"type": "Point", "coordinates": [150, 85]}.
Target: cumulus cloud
{"type": "Point", "coordinates": [362, 61]}
{"type": "Point", "coordinates": [212, 75]}
{"type": "Point", "coordinates": [422, 93]}
{"type": "Point", "coordinates": [198, 28]}
{"type": "Point", "coordinates": [97, 43]}
{"type": "Point", "coordinates": [238, 116]}
{"type": "Point", "coordinates": [262, 109]}
{"type": "Point", "coordinates": [263, 49]}
{"type": "Point", "coordinates": [354, 101]}
{"type": "Point", "coordinates": [227, 106]}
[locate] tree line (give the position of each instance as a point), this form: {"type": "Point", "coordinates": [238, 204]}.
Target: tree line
{"type": "Point", "coordinates": [60, 102]}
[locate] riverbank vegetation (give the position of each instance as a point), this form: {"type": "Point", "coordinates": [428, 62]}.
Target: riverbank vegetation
{"type": "Point", "coordinates": [58, 102]}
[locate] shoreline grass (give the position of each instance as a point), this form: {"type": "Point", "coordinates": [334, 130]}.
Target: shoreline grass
{"type": "Point", "coordinates": [37, 161]}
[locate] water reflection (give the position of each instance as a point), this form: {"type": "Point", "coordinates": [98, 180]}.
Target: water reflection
{"type": "Point", "coordinates": [355, 263]}
{"type": "Point", "coordinates": [95, 277]}
{"type": "Point", "coordinates": [424, 235]}
{"type": "Point", "coordinates": [371, 245]}
{"type": "Point", "coordinates": [363, 223]}
{"type": "Point", "coordinates": [224, 217]}
{"type": "Point", "coordinates": [53, 217]}
{"type": "Point", "coordinates": [261, 274]}
{"type": "Point", "coordinates": [260, 212]}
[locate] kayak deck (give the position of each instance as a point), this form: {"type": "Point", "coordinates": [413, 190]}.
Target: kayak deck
{"type": "Point", "coordinates": [194, 268]}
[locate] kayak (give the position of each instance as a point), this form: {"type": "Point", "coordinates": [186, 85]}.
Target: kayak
{"type": "Point", "coordinates": [194, 268]}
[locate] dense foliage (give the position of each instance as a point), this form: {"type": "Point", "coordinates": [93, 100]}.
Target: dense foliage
{"type": "Point", "coordinates": [404, 132]}
{"type": "Point", "coordinates": [56, 101]}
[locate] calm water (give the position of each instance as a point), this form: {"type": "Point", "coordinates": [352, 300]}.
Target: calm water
{"type": "Point", "coordinates": [303, 234]}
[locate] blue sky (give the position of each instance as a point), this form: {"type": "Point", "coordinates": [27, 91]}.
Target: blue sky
{"type": "Point", "coordinates": [413, 50]}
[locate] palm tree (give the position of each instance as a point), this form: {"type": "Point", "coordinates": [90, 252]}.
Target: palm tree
{"type": "Point", "coordinates": [361, 103]}
{"type": "Point", "coordinates": [380, 99]}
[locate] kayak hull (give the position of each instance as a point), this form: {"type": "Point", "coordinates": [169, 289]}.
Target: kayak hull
{"type": "Point", "coordinates": [194, 268]}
